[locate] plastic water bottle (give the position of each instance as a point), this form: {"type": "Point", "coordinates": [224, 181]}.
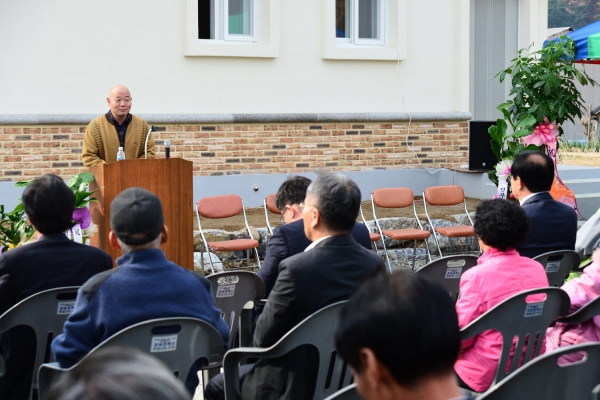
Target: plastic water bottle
{"type": "Point", "coordinates": [120, 154]}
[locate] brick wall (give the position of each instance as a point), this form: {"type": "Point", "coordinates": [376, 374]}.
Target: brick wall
{"type": "Point", "coordinates": [30, 150]}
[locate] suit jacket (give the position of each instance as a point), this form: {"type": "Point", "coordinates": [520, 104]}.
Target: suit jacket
{"type": "Point", "coordinates": [51, 262]}
{"type": "Point", "coordinates": [290, 239]}
{"type": "Point", "coordinates": [552, 226]}
{"type": "Point", "coordinates": [307, 282]}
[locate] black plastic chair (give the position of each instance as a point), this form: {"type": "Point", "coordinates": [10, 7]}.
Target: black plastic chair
{"type": "Point", "coordinates": [178, 342]}
{"type": "Point", "coordinates": [587, 312]}
{"type": "Point", "coordinates": [544, 379]}
{"type": "Point", "coordinates": [316, 330]}
{"type": "Point", "coordinates": [447, 271]}
{"type": "Point", "coordinates": [46, 313]}
{"type": "Point", "coordinates": [527, 321]}
{"type": "Point", "coordinates": [558, 265]}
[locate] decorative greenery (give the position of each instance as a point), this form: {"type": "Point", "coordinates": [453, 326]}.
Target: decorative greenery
{"type": "Point", "coordinates": [78, 184]}
{"type": "Point", "coordinates": [543, 88]}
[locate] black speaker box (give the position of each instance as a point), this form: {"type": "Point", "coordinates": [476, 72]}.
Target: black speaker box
{"type": "Point", "coordinates": [481, 156]}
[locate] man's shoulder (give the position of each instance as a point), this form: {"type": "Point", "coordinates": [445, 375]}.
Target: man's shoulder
{"type": "Point", "coordinates": [138, 120]}
{"type": "Point", "coordinates": [92, 285]}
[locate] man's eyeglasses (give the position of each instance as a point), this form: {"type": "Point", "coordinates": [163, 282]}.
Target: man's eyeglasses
{"type": "Point", "coordinates": [281, 219]}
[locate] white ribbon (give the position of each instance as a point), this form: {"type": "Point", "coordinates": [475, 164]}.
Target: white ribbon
{"type": "Point", "coordinates": [77, 233]}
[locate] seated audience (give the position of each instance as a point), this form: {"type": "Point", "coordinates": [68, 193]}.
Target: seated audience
{"type": "Point", "coordinates": [118, 373]}
{"type": "Point", "coordinates": [144, 286]}
{"type": "Point", "coordinates": [289, 239]}
{"type": "Point", "coordinates": [53, 261]}
{"type": "Point", "coordinates": [581, 291]}
{"type": "Point", "coordinates": [501, 272]}
{"type": "Point", "coordinates": [400, 335]}
{"type": "Point", "coordinates": [553, 225]}
{"type": "Point", "coordinates": [328, 271]}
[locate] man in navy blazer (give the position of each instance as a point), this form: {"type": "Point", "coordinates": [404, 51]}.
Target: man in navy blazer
{"type": "Point", "coordinates": [53, 261]}
{"type": "Point", "coordinates": [553, 225]}
{"type": "Point", "coordinates": [290, 239]}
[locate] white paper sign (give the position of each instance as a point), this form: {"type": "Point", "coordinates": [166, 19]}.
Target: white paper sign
{"type": "Point", "coordinates": [453, 273]}
{"type": "Point", "coordinates": [77, 233]}
{"type": "Point", "coordinates": [502, 189]}
{"type": "Point", "coordinates": [534, 309]}
{"type": "Point", "coordinates": [553, 266]}
{"type": "Point", "coordinates": [65, 307]}
{"type": "Point", "coordinates": [163, 343]}
{"type": "Point", "coordinates": [225, 291]}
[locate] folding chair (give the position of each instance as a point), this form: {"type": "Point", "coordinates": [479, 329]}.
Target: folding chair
{"type": "Point", "coordinates": [269, 204]}
{"type": "Point", "coordinates": [217, 207]}
{"type": "Point", "coordinates": [447, 196]}
{"type": "Point", "coordinates": [587, 312]}
{"type": "Point", "coordinates": [316, 330]}
{"type": "Point", "coordinates": [525, 321]}
{"type": "Point", "coordinates": [544, 379]}
{"type": "Point", "coordinates": [399, 198]}
{"type": "Point", "coordinates": [447, 271]}
{"type": "Point", "coordinates": [558, 265]}
{"type": "Point", "coordinates": [178, 342]}
{"type": "Point", "coordinates": [373, 236]}
{"type": "Point", "coordinates": [46, 313]}
{"type": "Point", "coordinates": [347, 393]}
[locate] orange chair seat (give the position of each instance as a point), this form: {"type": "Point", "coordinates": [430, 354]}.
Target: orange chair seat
{"type": "Point", "coordinates": [407, 234]}
{"type": "Point", "coordinates": [456, 231]}
{"type": "Point", "coordinates": [234, 245]}
{"type": "Point", "coordinates": [374, 236]}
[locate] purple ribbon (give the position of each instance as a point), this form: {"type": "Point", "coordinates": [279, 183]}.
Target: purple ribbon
{"type": "Point", "coordinates": [82, 217]}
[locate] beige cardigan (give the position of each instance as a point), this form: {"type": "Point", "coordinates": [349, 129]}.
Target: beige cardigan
{"type": "Point", "coordinates": [101, 141]}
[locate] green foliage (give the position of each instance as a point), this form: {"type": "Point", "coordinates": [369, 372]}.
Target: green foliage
{"type": "Point", "coordinates": [572, 13]}
{"type": "Point", "coordinates": [582, 146]}
{"type": "Point", "coordinates": [14, 229]}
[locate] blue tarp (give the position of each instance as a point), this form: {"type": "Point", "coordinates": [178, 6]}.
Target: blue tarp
{"type": "Point", "coordinates": [580, 37]}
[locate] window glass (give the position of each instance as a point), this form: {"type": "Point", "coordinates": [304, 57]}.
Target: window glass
{"type": "Point", "coordinates": [342, 18]}
{"type": "Point", "coordinates": [368, 19]}
{"type": "Point", "coordinates": [240, 17]}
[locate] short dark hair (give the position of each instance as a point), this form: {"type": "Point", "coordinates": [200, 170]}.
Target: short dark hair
{"type": "Point", "coordinates": [407, 320]}
{"type": "Point", "coordinates": [338, 199]}
{"type": "Point", "coordinates": [536, 170]}
{"type": "Point", "coordinates": [501, 224]}
{"type": "Point", "coordinates": [118, 373]}
{"type": "Point", "coordinates": [49, 203]}
{"type": "Point", "coordinates": [292, 191]}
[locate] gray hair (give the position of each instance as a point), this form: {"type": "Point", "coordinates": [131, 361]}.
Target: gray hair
{"type": "Point", "coordinates": [128, 248]}
{"type": "Point", "coordinates": [118, 373]}
{"type": "Point", "coordinates": [338, 200]}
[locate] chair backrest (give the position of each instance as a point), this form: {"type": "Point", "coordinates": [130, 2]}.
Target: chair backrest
{"type": "Point", "coordinates": [232, 290]}
{"type": "Point", "coordinates": [558, 265]}
{"type": "Point", "coordinates": [521, 318]}
{"type": "Point", "coordinates": [178, 342]}
{"type": "Point", "coordinates": [444, 195]}
{"type": "Point", "coordinates": [46, 313]}
{"type": "Point", "coordinates": [393, 197]}
{"type": "Point", "coordinates": [587, 312]}
{"type": "Point", "coordinates": [347, 393]}
{"type": "Point", "coordinates": [271, 205]}
{"type": "Point", "coordinates": [544, 379]}
{"type": "Point", "coordinates": [220, 206]}
{"type": "Point", "coordinates": [448, 270]}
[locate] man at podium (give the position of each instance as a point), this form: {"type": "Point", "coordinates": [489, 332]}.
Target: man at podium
{"type": "Point", "coordinates": [117, 128]}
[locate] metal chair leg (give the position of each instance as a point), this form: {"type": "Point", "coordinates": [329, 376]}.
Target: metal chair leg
{"type": "Point", "coordinates": [414, 254]}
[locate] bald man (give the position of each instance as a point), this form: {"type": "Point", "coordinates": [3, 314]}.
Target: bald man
{"type": "Point", "coordinates": [117, 128]}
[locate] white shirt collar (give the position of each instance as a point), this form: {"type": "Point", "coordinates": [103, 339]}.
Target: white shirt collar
{"type": "Point", "coordinates": [524, 199]}
{"type": "Point", "coordinates": [313, 244]}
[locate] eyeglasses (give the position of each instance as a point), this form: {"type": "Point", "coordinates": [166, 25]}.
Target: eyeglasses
{"type": "Point", "coordinates": [302, 206]}
{"type": "Point", "coordinates": [281, 219]}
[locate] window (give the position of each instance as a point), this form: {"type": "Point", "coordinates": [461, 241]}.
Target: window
{"type": "Point", "coordinates": [360, 21]}
{"type": "Point", "coordinates": [233, 20]}
{"type": "Point", "coordinates": [366, 29]}
{"type": "Point", "coordinates": [232, 28]}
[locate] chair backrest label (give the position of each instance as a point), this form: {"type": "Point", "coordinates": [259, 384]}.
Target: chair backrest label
{"type": "Point", "coordinates": [65, 307]}
{"type": "Point", "coordinates": [453, 272]}
{"type": "Point", "coordinates": [553, 266]}
{"type": "Point", "coordinates": [163, 343]}
{"type": "Point", "coordinates": [534, 309]}
{"type": "Point", "coordinates": [225, 291]}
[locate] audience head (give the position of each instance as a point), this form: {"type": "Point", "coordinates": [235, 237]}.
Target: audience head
{"type": "Point", "coordinates": [49, 204]}
{"type": "Point", "coordinates": [137, 221]}
{"type": "Point", "coordinates": [118, 373]}
{"type": "Point", "coordinates": [332, 204]}
{"type": "Point", "coordinates": [399, 331]}
{"type": "Point", "coordinates": [500, 224]}
{"type": "Point", "coordinates": [531, 172]}
{"type": "Point", "coordinates": [290, 194]}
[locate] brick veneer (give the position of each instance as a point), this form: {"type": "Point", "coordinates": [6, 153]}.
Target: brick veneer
{"type": "Point", "coordinates": [222, 149]}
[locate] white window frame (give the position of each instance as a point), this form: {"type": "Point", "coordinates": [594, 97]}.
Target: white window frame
{"type": "Point", "coordinates": [393, 32]}
{"type": "Point", "coordinates": [264, 42]}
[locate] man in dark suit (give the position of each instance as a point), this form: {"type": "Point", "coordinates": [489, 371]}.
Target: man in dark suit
{"type": "Point", "coordinates": [553, 225]}
{"type": "Point", "coordinates": [51, 262]}
{"type": "Point", "coordinates": [328, 271]}
{"type": "Point", "coordinates": [289, 239]}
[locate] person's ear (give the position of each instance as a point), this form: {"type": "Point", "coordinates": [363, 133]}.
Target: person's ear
{"type": "Point", "coordinates": [112, 239]}
{"type": "Point", "coordinates": [376, 375]}
{"type": "Point", "coordinates": [164, 235]}
{"type": "Point", "coordinates": [108, 101]}
{"type": "Point", "coordinates": [315, 217]}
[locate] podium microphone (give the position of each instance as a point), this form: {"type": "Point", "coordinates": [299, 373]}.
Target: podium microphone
{"type": "Point", "coordinates": [167, 148]}
{"type": "Point", "coordinates": [152, 129]}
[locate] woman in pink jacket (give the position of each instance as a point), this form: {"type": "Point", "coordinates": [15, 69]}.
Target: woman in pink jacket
{"type": "Point", "coordinates": [500, 225]}
{"type": "Point", "coordinates": [581, 291]}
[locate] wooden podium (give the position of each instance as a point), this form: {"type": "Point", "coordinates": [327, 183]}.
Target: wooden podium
{"type": "Point", "coordinates": [171, 179]}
